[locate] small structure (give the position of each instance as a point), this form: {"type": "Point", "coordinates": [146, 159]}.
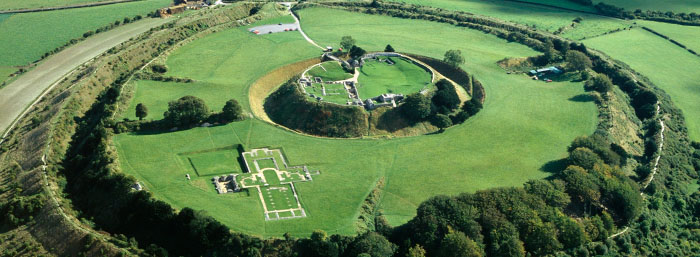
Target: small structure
{"type": "Point", "coordinates": [137, 186]}
{"type": "Point", "coordinates": [226, 184]}
{"type": "Point", "coordinates": [187, 176]}
{"type": "Point", "coordinates": [329, 49]}
{"type": "Point", "coordinates": [546, 71]}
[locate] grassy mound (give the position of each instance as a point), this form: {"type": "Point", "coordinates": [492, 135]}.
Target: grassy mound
{"type": "Point", "coordinates": [402, 77]}
{"type": "Point", "coordinates": [288, 106]}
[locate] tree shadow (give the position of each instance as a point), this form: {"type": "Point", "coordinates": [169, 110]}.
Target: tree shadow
{"type": "Point", "coordinates": [555, 166]}
{"type": "Point", "coordinates": [582, 98]}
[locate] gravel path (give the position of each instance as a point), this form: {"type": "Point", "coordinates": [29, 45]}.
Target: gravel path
{"type": "Point", "coordinates": [28, 89]}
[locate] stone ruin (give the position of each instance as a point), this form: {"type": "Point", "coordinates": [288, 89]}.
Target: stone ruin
{"type": "Point", "coordinates": [226, 184]}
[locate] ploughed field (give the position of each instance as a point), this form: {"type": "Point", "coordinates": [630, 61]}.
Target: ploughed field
{"type": "Point", "coordinates": [524, 125]}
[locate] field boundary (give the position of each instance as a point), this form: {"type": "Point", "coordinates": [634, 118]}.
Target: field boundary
{"type": "Point", "coordinates": [671, 40]}
{"type": "Point", "coordinates": [67, 7]}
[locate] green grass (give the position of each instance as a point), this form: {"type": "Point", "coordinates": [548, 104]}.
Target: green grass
{"type": "Point", "coordinates": [403, 77]}
{"type": "Point", "coordinates": [213, 163]}
{"type": "Point", "coordinates": [266, 163]}
{"type": "Point", "coordinates": [278, 197]}
{"type": "Point", "coordinates": [333, 72]}
{"type": "Point", "coordinates": [32, 4]}
{"type": "Point", "coordinates": [670, 67]}
{"type": "Point", "coordinates": [524, 124]}
{"type": "Point", "coordinates": [156, 95]}
{"type": "Point", "coordinates": [5, 72]}
{"type": "Point", "coordinates": [543, 18]}
{"type": "Point", "coordinates": [686, 6]}
{"type": "Point", "coordinates": [686, 35]}
{"type": "Point", "coordinates": [335, 93]}
{"type": "Point", "coordinates": [27, 36]}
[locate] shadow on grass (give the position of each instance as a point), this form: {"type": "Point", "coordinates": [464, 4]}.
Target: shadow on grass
{"type": "Point", "coordinates": [582, 98]}
{"type": "Point", "coordinates": [555, 166]}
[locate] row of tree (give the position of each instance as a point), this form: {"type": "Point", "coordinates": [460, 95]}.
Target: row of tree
{"type": "Point", "coordinates": [184, 112]}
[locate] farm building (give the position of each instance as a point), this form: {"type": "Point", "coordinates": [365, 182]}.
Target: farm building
{"type": "Point", "coordinates": [546, 71]}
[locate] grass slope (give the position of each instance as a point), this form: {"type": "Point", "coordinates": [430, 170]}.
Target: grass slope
{"type": "Point", "coordinates": [524, 124]}
{"type": "Point", "coordinates": [31, 4]}
{"type": "Point", "coordinates": [686, 35]}
{"type": "Point", "coordinates": [27, 36]}
{"type": "Point", "coordinates": [670, 67]}
{"type": "Point", "coordinates": [331, 71]}
{"type": "Point", "coordinates": [686, 6]}
{"type": "Point", "coordinates": [403, 77]}
{"type": "Point", "coordinates": [543, 18]}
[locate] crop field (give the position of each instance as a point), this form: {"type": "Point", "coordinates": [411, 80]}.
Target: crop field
{"type": "Point", "coordinates": [402, 77]}
{"type": "Point", "coordinates": [670, 67]}
{"type": "Point", "coordinates": [686, 35]}
{"type": "Point", "coordinates": [44, 31]}
{"type": "Point", "coordinates": [31, 4]}
{"type": "Point", "coordinates": [543, 18]}
{"type": "Point", "coordinates": [331, 71]}
{"type": "Point", "coordinates": [524, 125]}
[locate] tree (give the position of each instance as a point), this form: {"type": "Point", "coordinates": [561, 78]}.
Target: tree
{"type": "Point", "coordinates": [583, 157]}
{"type": "Point", "coordinates": [347, 42]}
{"type": "Point", "coordinates": [416, 251]}
{"type": "Point", "coordinates": [446, 95]}
{"type": "Point", "coordinates": [186, 111]}
{"type": "Point", "coordinates": [472, 106]}
{"type": "Point", "coordinates": [549, 53]}
{"type": "Point", "coordinates": [416, 107]}
{"type": "Point", "coordinates": [578, 61]}
{"type": "Point", "coordinates": [232, 111]}
{"type": "Point", "coordinates": [356, 52]}
{"type": "Point", "coordinates": [600, 83]}
{"type": "Point", "coordinates": [373, 244]}
{"type": "Point", "coordinates": [505, 242]}
{"type": "Point", "coordinates": [141, 111]}
{"type": "Point", "coordinates": [442, 121]}
{"type": "Point", "coordinates": [454, 57]}
{"type": "Point", "coordinates": [456, 244]}
{"type": "Point", "coordinates": [389, 48]}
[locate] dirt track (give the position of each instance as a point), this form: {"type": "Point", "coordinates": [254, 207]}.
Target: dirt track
{"type": "Point", "coordinates": [20, 94]}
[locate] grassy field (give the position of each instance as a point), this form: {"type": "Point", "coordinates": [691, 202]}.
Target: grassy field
{"type": "Point", "coordinates": [686, 35]}
{"type": "Point", "coordinates": [403, 77]}
{"type": "Point", "coordinates": [670, 67]}
{"type": "Point", "coordinates": [31, 4]}
{"type": "Point", "coordinates": [523, 125]}
{"type": "Point", "coordinates": [335, 93]}
{"type": "Point", "coordinates": [213, 163]}
{"type": "Point", "coordinates": [156, 95]}
{"type": "Point", "coordinates": [5, 72]}
{"type": "Point", "coordinates": [331, 71]}
{"type": "Point", "coordinates": [686, 6]}
{"type": "Point", "coordinates": [543, 18]}
{"type": "Point", "coordinates": [27, 36]}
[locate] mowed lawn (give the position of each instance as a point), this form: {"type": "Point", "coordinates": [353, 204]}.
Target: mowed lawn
{"type": "Point", "coordinates": [524, 125]}
{"type": "Point", "coordinates": [31, 4]}
{"type": "Point", "coordinates": [27, 36]}
{"type": "Point", "coordinates": [686, 35]}
{"type": "Point", "coordinates": [403, 77]}
{"type": "Point", "coordinates": [670, 67]}
{"type": "Point", "coordinates": [544, 18]}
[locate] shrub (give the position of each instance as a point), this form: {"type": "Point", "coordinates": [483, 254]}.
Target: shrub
{"type": "Point", "coordinates": [232, 111]}
{"type": "Point", "coordinates": [159, 68]}
{"type": "Point", "coordinates": [441, 121]}
{"type": "Point", "coordinates": [446, 95]}
{"type": "Point", "coordinates": [583, 157]}
{"type": "Point", "coordinates": [416, 107]}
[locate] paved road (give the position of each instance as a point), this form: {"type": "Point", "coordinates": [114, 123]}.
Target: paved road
{"type": "Point", "coordinates": [16, 97]}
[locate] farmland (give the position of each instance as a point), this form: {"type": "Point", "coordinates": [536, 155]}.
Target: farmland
{"type": "Point", "coordinates": [32, 4]}
{"type": "Point", "coordinates": [686, 35]}
{"type": "Point", "coordinates": [524, 125]}
{"type": "Point", "coordinates": [672, 69]}
{"type": "Point", "coordinates": [44, 31]}
{"type": "Point", "coordinates": [678, 6]}
{"type": "Point", "coordinates": [539, 17]}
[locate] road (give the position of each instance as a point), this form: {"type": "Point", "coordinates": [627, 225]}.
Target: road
{"type": "Point", "coordinates": [19, 95]}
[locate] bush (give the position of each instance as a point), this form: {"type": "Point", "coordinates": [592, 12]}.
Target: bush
{"type": "Point", "coordinates": [441, 121]}
{"type": "Point", "coordinates": [583, 157]}
{"type": "Point", "coordinates": [600, 83]}
{"type": "Point", "coordinates": [231, 111]}
{"type": "Point", "coordinates": [446, 95]}
{"type": "Point", "coordinates": [159, 68]}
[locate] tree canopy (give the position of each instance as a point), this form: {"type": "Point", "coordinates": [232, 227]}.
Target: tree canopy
{"type": "Point", "coordinates": [454, 57]}
{"type": "Point", "coordinates": [577, 60]}
{"type": "Point", "coordinates": [356, 52]}
{"type": "Point", "coordinates": [416, 107]}
{"type": "Point", "coordinates": [389, 48]}
{"type": "Point", "coordinates": [186, 111]}
{"type": "Point", "coordinates": [347, 42]}
{"type": "Point", "coordinates": [141, 111]}
{"type": "Point", "coordinates": [232, 111]}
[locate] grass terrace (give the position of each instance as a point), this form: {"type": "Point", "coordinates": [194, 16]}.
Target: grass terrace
{"type": "Point", "coordinates": [329, 71]}
{"type": "Point", "coordinates": [401, 77]}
